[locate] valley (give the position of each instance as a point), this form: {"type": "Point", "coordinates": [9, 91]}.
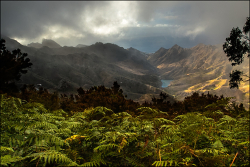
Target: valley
{"type": "Point", "coordinates": [202, 68]}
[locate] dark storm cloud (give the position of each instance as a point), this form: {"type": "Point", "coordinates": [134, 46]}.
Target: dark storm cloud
{"type": "Point", "coordinates": [31, 19]}
{"type": "Point", "coordinates": [148, 25]}
{"type": "Point", "coordinates": [198, 22]}
{"type": "Point", "coordinates": [217, 18]}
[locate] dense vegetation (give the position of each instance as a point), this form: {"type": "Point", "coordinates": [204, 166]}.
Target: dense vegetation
{"type": "Point", "coordinates": [100, 127]}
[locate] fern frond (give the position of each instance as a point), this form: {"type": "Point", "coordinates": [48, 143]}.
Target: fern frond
{"type": "Point", "coordinates": [134, 161]}
{"type": "Point", "coordinates": [63, 131]}
{"type": "Point", "coordinates": [74, 125]}
{"type": "Point", "coordinates": [50, 139]}
{"type": "Point", "coordinates": [93, 163]}
{"type": "Point", "coordinates": [105, 147]}
{"type": "Point", "coordinates": [165, 163]}
{"type": "Point", "coordinates": [147, 113]}
{"type": "Point", "coordinates": [5, 149]}
{"type": "Point", "coordinates": [59, 113]}
{"type": "Point", "coordinates": [8, 159]}
{"type": "Point", "coordinates": [51, 156]}
{"type": "Point", "coordinates": [42, 125]}
{"type": "Point", "coordinates": [227, 119]}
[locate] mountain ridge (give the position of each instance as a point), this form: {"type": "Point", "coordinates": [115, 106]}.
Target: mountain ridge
{"type": "Point", "coordinates": [201, 68]}
{"type": "Point", "coordinates": [65, 69]}
{"type": "Point", "coordinates": [45, 42]}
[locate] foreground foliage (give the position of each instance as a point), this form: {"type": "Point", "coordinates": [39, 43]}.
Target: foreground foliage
{"type": "Point", "coordinates": [32, 135]}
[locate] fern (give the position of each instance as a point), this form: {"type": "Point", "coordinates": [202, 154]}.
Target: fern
{"type": "Point", "coordinates": [98, 136]}
{"type": "Point", "coordinates": [6, 149]}
{"type": "Point", "coordinates": [51, 156]}
{"type": "Point", "coordinates": [165, 163]}
{"type": "Point", "coordinates": [6, 160]}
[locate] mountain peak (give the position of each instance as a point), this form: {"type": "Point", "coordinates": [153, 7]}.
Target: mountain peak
{"type": "Point", "coordinates": [50, 43]}
{"type": "Point", "coordinates": [133, 49]}
{"type": "Point", "coordinates": [35, 45]}
{"type": "Point", "coordinates": [176, 46]}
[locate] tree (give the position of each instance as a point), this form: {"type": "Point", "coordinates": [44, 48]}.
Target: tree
{"type": "Point", "coordinates": [12, 65]}
{"type": "Point", "coordinates": [236, 47]}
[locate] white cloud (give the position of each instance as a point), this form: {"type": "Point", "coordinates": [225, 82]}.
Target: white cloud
{"type": "Point", "coordinates": [57, 31]}
{"type": "Point", "coordinates": [21, 40]}
{"type": "Point", "coordinates": [193, 33]}
{"type": "Point", "coordinates": [165, 25]}
{"type": "Point", "coordinates": [111, 19]}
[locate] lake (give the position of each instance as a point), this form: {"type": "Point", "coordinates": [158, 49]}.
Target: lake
{"type": "Point", "coordinates": [165, 83]}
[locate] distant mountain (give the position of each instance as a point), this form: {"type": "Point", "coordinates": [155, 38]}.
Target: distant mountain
{"type": "Point", "coordinates": [45, 42]}
{"type": "Point", "coordinates": [35, 45]}
{"type": "Point", "coordinates": [50, 43]}
{"type": "Point", "coordinates": [65, 69]}
{"type": "Point", "coordinates": [137, 52]}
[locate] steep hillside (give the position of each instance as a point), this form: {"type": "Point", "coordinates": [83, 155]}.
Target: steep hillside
{"type": "Point", "coordinates": [65, 69]}
{"type": "Point", "coordinates": [201, 68]}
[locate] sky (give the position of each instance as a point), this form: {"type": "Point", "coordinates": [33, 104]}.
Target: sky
{"type": "Point", "coordinates": [144, 25]}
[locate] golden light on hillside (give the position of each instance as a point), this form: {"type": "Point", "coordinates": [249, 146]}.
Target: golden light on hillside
{"type": "Point", "coordinates": [211, 85]}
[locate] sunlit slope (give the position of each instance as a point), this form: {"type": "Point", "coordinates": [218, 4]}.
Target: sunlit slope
{"type": "Point", "coordinates": [202, 68]}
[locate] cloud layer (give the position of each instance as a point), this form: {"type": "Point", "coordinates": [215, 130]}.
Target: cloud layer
{"type": "Point", "coordinates": [146, 26]}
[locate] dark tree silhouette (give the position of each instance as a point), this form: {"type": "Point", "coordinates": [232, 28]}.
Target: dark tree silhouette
{"type": "Point", "coordinates": [236, 46]}
{"type": "Point", "coordinates": [115, 87]}
{"type": "Point", "coordinates": [12, 65]}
